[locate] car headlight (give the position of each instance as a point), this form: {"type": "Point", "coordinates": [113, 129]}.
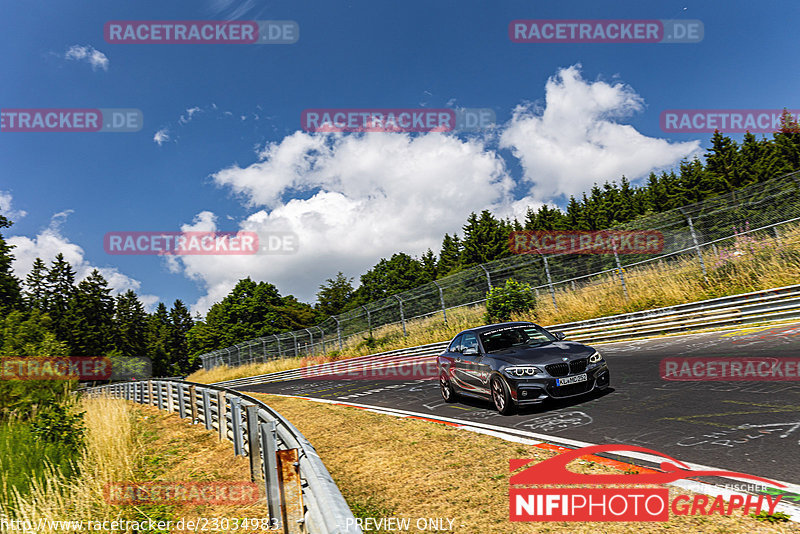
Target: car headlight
{"type": "Point", "coordinates": [522, 370]}
{"type": "Point", "coordinates": [596, 357]}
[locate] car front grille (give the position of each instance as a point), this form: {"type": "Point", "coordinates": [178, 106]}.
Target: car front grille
{"type": "Point", "coordinates": [563, 369]}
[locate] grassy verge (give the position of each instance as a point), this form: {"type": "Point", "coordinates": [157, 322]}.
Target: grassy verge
{"type": "Point", "coordinates": [748, 264]}
{"type": "Point", "coordinates": [406, 468]}
{"type": "Point", "coordinates": [126, 442]}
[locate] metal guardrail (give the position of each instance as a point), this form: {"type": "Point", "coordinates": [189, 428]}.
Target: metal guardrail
{"type": "Point", "coordinates": [300, 492]}
{"type": "Point", "coordinates": [781, 303]}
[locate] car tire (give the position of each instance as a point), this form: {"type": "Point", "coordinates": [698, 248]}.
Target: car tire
{"type": "Point", "coordinates": [448, 393]}
{"type": "Point", "coordinates": [501, 396]}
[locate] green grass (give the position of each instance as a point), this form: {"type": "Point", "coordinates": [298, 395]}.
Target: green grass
{"type": "Point", "coordinates": [24, 458]}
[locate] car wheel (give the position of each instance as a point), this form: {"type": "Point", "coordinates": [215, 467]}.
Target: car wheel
{"type": "Point", "coordinates": [502, 397]}
{"type": "Point", "coordinates": [448, 393]}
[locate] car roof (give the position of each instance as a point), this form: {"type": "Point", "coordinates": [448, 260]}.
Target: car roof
{"type": "Point", "coordinates": [495, 326]}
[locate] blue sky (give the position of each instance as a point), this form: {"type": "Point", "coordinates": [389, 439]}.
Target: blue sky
{"type": "Point", "coordinates": [584, 112]}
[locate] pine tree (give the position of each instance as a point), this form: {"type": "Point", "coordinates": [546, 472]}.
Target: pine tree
{"type": "Point", "coordinates": [60, 281]}
{"type": "Point", "coordinates": [10, 294]}
{"type": "Point", "coordinates": [130, 326]}
{"type": "Point", "coordinates": [35, 294]}
{"type": "Point", "coordinates": [181, 322]}
{"type": "Point", "coordinates": [449, 256]}
{"type": "Point", "coordinates": [89, 317]}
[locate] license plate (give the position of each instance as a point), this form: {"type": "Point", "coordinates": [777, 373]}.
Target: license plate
{"type": "Point", "coordinates": [571, 380]}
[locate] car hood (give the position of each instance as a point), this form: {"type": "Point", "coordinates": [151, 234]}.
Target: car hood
{"type": "Point", "coordinates": [549, 353]}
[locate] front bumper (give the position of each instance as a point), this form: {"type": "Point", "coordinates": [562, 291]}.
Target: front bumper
{"type": "Point", "coordinates": [535, 390]}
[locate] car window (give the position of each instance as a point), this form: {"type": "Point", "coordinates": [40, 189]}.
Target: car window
{"type": "Point", "coordinates": [520, 336]}
{"type": "Point", "coordinates": [455, 346]}
{"type": "Point", "coordinates": [469, 341]}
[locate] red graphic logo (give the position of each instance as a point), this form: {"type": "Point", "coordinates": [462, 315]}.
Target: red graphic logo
{"type": "Point", "coordinates": [617, 504]}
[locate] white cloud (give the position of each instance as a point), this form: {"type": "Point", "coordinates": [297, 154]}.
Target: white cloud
{"type": "Point", "coordinates": [576, 139]}
{"type": "Point", "coordinates": [7, 210]}
{"type": "Point", "coordinates": [185, 119]}
{"type": "Point", "coordinates": [353, 199]}
{"type": "Point", "coordinates": [161, 136]}
{"type": "Point", "coordinates": [89, 54]}
{"type": "Point", "coordinates": [49, 242]}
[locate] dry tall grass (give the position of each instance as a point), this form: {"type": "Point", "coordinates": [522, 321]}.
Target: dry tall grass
{"type": "Point", "coordinates": [109, 456]}
{"type": "Point", "coordinates": [746, 264]}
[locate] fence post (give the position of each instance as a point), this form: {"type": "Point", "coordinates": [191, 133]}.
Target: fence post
{"type": "Point", "coordinates": [280, 355]}
{"type": "Point", "coordinates": [696, 244]}
{"type": "Point", "coordinates": [488, 276]}
{"type": "Point", "coordinates": [322, 337]}
{"type": "Point", "coordinates": [263, 349]}
{"type": "Point", "coordinates": [311, 337]}
{"type": "Point", "coordinates": [338, 331]}
{"type": "Point", "coordinates": [619, 269]}
{"type": "Point", "coordinates": [550, 281]}
{"type": "Point", "coordinates": [441, 298]}
{"type": "Point", "coordinates": [295, 343]}
{"type": "Point", "coordinates": [402, 316]}
{"type": "Point", "coordinates": [369, 320]}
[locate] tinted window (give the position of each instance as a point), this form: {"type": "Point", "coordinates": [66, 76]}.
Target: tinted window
{"type": "Point", "coordinates": [455, 346]}
{"type": "Point", "coordinates": [469, 341]}
{"type": "Point", "coordinates": [515, 336]}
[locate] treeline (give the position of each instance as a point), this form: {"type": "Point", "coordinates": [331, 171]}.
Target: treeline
{"type": "Point", "coordinates": [49, 313]}
{"type": "Point", "coordinates": [728, 166]}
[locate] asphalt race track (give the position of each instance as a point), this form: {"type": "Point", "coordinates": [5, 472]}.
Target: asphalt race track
{"type": "Point", "coordinates": [751, 427]}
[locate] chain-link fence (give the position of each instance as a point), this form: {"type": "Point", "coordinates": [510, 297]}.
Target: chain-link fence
{"type": "Point", "coordinates": [695, 229]}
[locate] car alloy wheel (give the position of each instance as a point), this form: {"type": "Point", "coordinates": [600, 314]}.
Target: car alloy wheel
{"type": "Point", "coordinates": [502, 397]}
{"type": "Point", "coordinates": [447, 388]}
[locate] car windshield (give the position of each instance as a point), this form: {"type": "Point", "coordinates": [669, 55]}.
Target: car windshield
{"type": "Point", "coordinates": [515, 336]}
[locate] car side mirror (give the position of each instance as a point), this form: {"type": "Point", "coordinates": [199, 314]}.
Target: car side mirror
{"type": "Point", "coordinates": [560, 335]}
{"type": "Point", "coordinates": [470, 350]}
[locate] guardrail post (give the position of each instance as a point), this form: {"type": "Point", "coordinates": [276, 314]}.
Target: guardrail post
{"type": "Point", "coordinates": [236, 425]}
{"type": "Point", "coordinates": [207, 416]}
{"type": "Point", "coordinates": [291, 491]}
{"type": "Point", "coordinates": [181, 403]}
{"type": "Point", "coordinates": [150, 397]}
{"type": "Point", "coordinates": [170, 402]}
{"type": "Point", "coordinates": [402, 316]}
{"type": "Point", "coordinates": [160, 395]}
{"type": "Point", "coordinates": [193, 402]}
{"type": "Point", "coordinates": [253, 449]}
{"type": "Point", "coordinates": [441, 299]}
{"type": "Point", "coordinates": [222, 417]}
{"type": "Point", "coordinates": [270, 464]}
